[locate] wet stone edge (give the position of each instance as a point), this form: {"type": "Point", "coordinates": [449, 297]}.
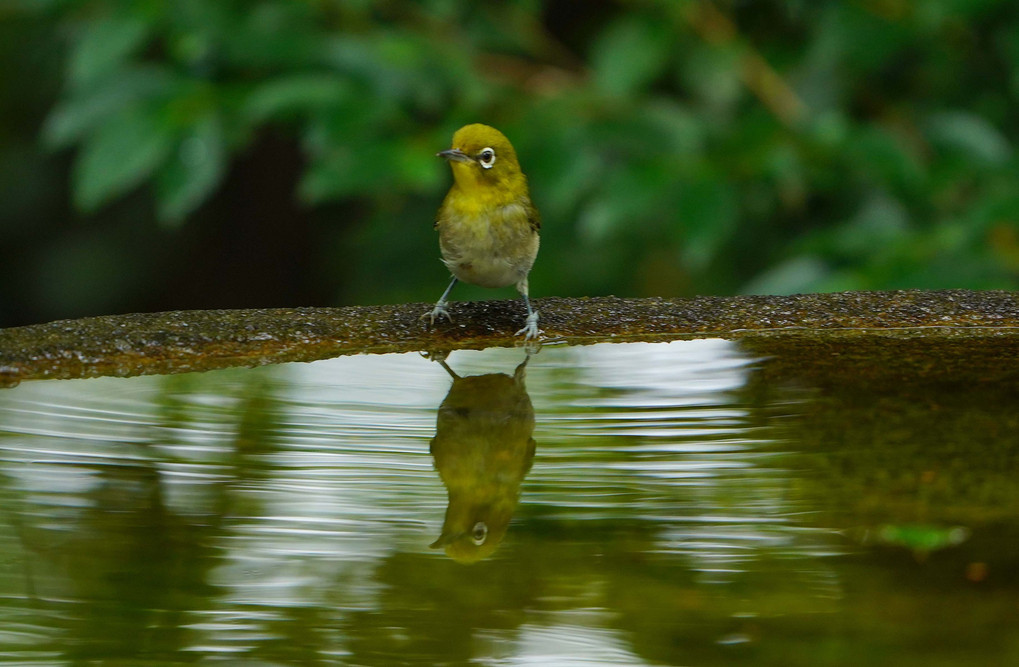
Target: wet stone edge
{"type": "Point", "coordinates": [188, 341]}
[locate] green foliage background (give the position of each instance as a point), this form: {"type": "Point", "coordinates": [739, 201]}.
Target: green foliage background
{"type": "Point", "coordinates": [194, 154]}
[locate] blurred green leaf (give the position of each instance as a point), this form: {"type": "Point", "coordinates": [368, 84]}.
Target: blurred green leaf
{"type": "Point", "coordinates": [679, 130]}
{"type": "Point", "coordinates": [295, 94]}
{"type": "Point", "coordinates": [715, 75]}
{"type": "Point", "coordinates": [269, 35]}
{"type": "Point", "coordinates": [969, 133]}
{"type": "Point", "coordinates": [881, 156]}
{"type": "Point", "coordinates": [104, 47]}
{"type": "Point", "coordinates": [86, 110]}
{"type": "Point", "coordinates": [356, 169]}
{"type": "Point", "coordinates": [417, 167]}
{"type": "Point", "coordinates": [629, 54]}
{"type": "Point", "coordinates": [629, 202]}
{"type": "Point", "coordinates": [565, 177]}
{"type": "Point", "coordinates": [120, 155]}
{"type": "Point", "coordinates": [880, 222]}
{"type": "Point", "coordinates": [707, 211]}
{"type": "Point", "coordinates": [792, 276]}
{"type": "Point", "coordinates": [396, 66]}
{"type": "Point", "coordinates": [863, 38]}
{"type": "Point", "coordinates": [193, 172]}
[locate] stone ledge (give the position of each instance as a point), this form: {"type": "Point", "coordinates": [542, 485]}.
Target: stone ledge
{"type": "Point", "coordinates": [185, 341]}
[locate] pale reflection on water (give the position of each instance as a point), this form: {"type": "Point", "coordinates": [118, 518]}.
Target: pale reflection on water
{"type": "Point", "coordinates": [284, 514]}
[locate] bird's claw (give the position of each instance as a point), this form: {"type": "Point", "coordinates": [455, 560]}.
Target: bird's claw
{"type": "Point", "coordinates": [530, 330]}
{"type": "Point", "coordinates": [438, 312]}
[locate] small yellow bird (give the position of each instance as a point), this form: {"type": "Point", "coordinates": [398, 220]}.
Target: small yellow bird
{"type": "Point", "coordinates": [488, 227]}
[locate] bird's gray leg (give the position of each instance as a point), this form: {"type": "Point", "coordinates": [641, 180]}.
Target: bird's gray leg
{"type": "Point", "coordinates": [440, 306]}
{"type": "Point", "coordinates": [530, 329]}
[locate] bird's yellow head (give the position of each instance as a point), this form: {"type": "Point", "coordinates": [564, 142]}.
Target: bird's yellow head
{"type": "Point", "coordinates": [482, 157]}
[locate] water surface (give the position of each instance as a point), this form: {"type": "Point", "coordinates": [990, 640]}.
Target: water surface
{"type": "Point", "coordinates": [628, 504]}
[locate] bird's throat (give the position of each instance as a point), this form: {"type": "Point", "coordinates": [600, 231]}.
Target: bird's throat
{"type": "Point", "coordinates": [475, 192]}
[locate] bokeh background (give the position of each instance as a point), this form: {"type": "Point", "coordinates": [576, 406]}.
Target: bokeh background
{"type": "Point", "coordinates": [220, 154]}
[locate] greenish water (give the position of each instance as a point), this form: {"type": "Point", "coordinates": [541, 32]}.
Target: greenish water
{"type": "Point", "coordinates": [631, 504]}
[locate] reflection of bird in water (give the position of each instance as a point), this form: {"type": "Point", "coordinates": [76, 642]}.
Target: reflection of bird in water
{"type": "Point", "coordinates": [482, 450]}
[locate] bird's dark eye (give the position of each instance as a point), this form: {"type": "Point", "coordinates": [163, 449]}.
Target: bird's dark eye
{"type": "Point", "coordinates": [479, 533]}
{"type": "Point", "coordinates": [486, 157]}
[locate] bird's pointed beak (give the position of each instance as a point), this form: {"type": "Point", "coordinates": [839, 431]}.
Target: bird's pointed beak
{"type": "Point", "coordinates": [455, 155]}
{"type": "Point", "coordinates": [444, 539]}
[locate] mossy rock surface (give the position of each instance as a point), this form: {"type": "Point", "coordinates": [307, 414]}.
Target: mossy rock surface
{"type": "Point", "coordinates": [808, 330]}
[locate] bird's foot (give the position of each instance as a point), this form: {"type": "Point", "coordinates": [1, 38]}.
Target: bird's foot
{"type": "Point", "coordinates": [438, 312]}
{"type": "Point", "coordinates": [530, 330]}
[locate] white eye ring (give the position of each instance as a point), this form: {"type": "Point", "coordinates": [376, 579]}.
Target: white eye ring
{"type": "Point", "coordinates": [479, 533]}
{"type": "Point", "coordinates": [486, 157]}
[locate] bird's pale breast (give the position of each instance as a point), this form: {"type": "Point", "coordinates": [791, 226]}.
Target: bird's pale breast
{"type": "Point", "coordinates": [494, 248]}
